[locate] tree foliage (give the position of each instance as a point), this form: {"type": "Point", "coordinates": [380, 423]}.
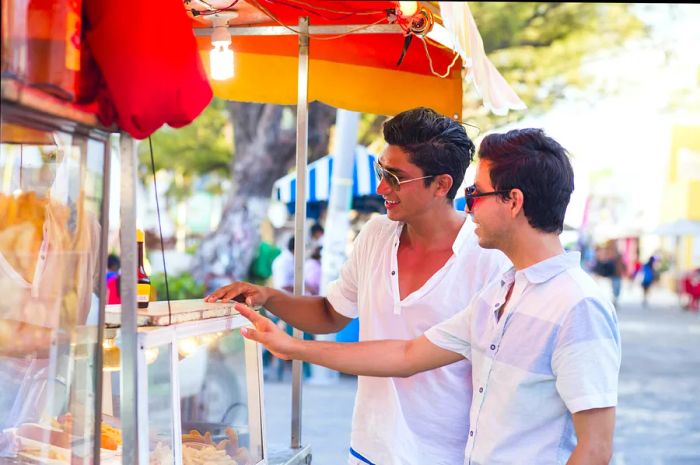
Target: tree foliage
{"type": "Point", "coordinates": [539, 48]}
{"type": "Point", "coordinates": [203, 147]}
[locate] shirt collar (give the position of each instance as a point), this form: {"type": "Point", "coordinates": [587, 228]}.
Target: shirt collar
{"type": "Point", "coordinates": [465, 232]}
{"type": "Point", "coordinates": [546, 269]}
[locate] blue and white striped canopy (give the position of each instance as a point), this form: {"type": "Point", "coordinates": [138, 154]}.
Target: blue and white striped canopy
{"type": "Point", "coordinates": [318, 185]}
{"type": "Point", "coordinates": [318, 180]}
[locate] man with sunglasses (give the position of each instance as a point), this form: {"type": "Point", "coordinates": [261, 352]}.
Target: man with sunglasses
{"type": "Point", "coordinates": [543, 338]}
{"type": "Point", "coordinates": [409, 270]}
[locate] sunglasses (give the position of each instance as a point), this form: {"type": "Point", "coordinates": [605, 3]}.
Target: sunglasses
{"type": "Point", "coordinates": [392, 179]}
{"type": "Point", "coordinates": [470, 195]}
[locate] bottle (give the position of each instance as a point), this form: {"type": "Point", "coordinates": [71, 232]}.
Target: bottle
{"type": "Point", "coordinates": [143, 285]}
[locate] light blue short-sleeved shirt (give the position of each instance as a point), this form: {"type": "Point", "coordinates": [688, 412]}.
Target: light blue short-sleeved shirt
{"type": "Point", "coordinates": [554, 351]}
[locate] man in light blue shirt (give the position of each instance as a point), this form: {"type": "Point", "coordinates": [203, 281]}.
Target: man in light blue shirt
{"type": "Point", "coordinates": [543, 339]}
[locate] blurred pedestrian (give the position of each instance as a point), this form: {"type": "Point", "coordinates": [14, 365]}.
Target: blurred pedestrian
{"type": "Point", "coordinates": [113, 265]}
{"type": "Point", "coordinates": [312, 272]}
{"type": "Point", "coordinates": [649, 275]}
{"type": "Point", "coordinates": [609, 265]}
{"type": "Point", "coordinates": [317, 232]}
{"type": "Point", "coordinates": [283, 268]}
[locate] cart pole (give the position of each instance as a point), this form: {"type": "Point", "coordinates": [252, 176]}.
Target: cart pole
{"type": "Point", "coordinates": [132, 404]}
{"type": "Point", "coordinates": [300, 216]}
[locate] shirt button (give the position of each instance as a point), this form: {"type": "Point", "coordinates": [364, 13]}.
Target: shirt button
{"type": "Point", "coordinates": [471, 433]}
{"type": "Point", "coordinates": [481, 389]}
{"type": "Point", "coordinates": [493, 347]}
{"type": "Point", "coordinates": [393, 273]}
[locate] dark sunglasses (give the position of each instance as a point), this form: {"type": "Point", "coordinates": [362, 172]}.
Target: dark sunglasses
{"type": "Point", "coordinates": [391, 178]}
{"type": "Point", "coordinates": [470, 195]}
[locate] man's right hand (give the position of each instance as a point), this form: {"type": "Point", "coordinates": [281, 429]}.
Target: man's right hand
{"type": "Point", "coordinates": [240, 291]}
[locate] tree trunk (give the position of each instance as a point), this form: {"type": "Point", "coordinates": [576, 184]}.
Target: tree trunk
{"type": "Point", "coordinates": [264, 152]}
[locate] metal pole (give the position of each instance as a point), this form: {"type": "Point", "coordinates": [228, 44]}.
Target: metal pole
{"type": "Point", "coordinates": [133, 452]}
{"type": "Point", "coordinates": [104, 235]}
{"type": "Point", "coordinates": [300, 216]}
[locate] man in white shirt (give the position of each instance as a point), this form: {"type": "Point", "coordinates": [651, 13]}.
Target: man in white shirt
{"type": "Point", "coordinates": [409, 270]}
{"type": "Point", "coordinates": [283, 268]}
{"type": "Point", "coordinates": [543, 339]}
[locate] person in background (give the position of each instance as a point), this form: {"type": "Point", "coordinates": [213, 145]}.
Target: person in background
{"type": "Point", "coordinates": [312, 272]}
{"type": "Point", "coordinates": [113, 265]}
{"type": "Point", "coordinates": [412, 268]}
{"type": "Point", "coordinates": [649, 275]}
{"type": "Point", "coordinates": [283, 268]}
{"type": "Point", "coordinates": [543, 339]}
{"type": "Point", "coordinates": [317, 232]}
{"type": "Point", "coordinates": [609, 265]}
{"type": "Point", "coordinates": [261, 267]}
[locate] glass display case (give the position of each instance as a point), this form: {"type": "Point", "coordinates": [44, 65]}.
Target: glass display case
{"type": "Point", "coordinates": [52, 210]}
{"type": "Point", "coordinates": [200, 381]}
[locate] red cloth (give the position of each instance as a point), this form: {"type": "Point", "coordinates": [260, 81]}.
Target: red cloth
{"type": "Point", "coordinates": [150, 68]}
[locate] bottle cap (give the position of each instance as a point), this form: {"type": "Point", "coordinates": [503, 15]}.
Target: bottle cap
{"type": "Point", "coordinates": [140, 237]}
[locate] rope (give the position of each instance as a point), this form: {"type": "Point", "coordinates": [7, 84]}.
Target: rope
{"type": "Point", "coordinates": [160, 230]}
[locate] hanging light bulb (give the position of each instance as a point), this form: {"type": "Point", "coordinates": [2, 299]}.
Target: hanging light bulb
{"type": "Point", "coordinates": [221, 56]}
{"type": "Point", "coordinates": [408, 8]}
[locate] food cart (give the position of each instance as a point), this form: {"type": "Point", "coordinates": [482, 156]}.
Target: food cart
{"type": "Point", "coordinates": [84, 383]}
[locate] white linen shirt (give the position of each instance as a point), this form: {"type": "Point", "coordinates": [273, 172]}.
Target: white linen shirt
{"type": "Point", "coordinates": [416, 420]}
{"type": "Point", "coordinates": [554, 351]}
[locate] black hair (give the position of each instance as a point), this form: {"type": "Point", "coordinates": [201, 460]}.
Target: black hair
{"type": "Point", "coordinates": [290, 244]}
{"type": "Point", "coordinates": [316, 227]}
{"type": "Point", "coordinates": [435, 143]}
{"type": "Point", "coordinates": [529, 160]}
{"type": "Point", "coordinates": [113, 262]}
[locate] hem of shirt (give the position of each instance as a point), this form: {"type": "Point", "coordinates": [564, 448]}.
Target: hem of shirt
{"type": "Point", "coordinates": [594, 401]}
{"type": "Point", "coordinates": [340, 304]}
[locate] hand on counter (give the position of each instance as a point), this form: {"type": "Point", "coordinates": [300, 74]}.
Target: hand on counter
{"type": "Point", "coordinates": [240, 291]}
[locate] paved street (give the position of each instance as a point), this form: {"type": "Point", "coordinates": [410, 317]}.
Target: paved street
{"type": "Point", "coordinates": [658, 418]}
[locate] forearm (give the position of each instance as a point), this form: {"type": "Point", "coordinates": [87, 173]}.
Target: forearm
{"type": "Point", "coordinates": [370, 358]}
{"type": "Point", "coordinates": [590, 454]}
{"type": "Point", "coordinates": [310, 314]}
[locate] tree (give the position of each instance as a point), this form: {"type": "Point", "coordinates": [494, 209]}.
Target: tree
{"type": "Point", "coordinates": [537, 46]}
{"type": "Point", "coordinates": [204, 147]}
{"type": "Point", "coordinates": [265, 147]}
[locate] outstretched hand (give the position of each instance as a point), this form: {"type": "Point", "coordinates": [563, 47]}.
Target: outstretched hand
{"type": "Point", "coordinates": [267, 333]}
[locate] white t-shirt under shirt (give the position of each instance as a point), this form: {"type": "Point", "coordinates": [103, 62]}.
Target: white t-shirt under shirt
{"type": "Point", "coordinates": [424, 418]}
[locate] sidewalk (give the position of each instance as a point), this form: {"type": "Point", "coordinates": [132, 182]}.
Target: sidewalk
{"type": "Point", "coordinates": [325, 419]}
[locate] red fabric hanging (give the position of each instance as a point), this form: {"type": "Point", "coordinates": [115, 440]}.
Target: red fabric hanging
{"type": "Point", "coordinates": [151, 71]}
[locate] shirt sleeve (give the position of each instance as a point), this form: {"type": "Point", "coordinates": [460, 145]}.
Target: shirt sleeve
{"type": "Point", "coordinates": [342, 293]}
{"type": "Point", "coordinates": [586, 357]}
{"type": "Point", "coordinates": [454, 334]}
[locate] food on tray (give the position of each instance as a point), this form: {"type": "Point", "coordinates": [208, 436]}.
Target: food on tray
{"type": "Point", "coordinates": [111, 438]}
{"type": "Point", "coordinates": [206, 454]}
{"type": "Point", "coordinates": [161, 455]}
{"type": "Point", "coordinates": [201, 449]}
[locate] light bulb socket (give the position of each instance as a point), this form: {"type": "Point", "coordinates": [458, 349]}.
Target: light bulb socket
{"type": "Point", "coordinates": [221, 36]}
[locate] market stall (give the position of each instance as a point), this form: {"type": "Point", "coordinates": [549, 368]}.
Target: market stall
{"type": "Point", "coordinates": [82, 384]}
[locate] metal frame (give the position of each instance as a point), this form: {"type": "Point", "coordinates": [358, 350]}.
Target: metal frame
{"type": "Point", "coordinates": [300, 212]}
{"type": "Point", "coordinates": [310, 31]}
{"type": "Point", "coordinates": [151, 337]}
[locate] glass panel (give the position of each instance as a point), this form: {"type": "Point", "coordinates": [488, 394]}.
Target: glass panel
{"type": "Point", "coordinates": [215, 406]}
{"type": "Point", "coordinates": [50, 204]}
{"type": "Point", "coordinates": [160, 419]}
{"type": "Point", "coordinates": [160, 412]}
